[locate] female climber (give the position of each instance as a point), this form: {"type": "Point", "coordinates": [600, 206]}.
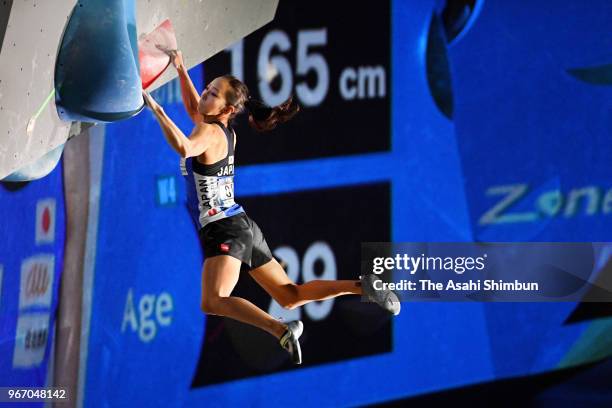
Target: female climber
{"type": "Point", "coordinates": [227, 235]}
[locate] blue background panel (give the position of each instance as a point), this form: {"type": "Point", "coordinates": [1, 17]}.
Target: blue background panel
{"type": "Point", "coordinates": [518, 118]}
{"type": "Point", "coordinates": [25, 293]}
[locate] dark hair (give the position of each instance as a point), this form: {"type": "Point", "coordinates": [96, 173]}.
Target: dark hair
{"type": "Point", "coordinates": [261, 116]}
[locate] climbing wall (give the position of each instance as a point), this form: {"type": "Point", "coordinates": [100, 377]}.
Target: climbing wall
{"type": "Point", "coordinates": [32, 34]}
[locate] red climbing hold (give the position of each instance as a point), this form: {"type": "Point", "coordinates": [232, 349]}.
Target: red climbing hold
{"type": "Point", "coordinates": [153, 61]}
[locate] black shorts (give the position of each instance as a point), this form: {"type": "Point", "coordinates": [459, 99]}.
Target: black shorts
{"type": "Point", "coordinates": [237, 236]}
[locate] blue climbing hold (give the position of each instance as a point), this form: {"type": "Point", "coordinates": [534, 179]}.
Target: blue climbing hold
{"type": "Point", "coordinates": [97, 76]}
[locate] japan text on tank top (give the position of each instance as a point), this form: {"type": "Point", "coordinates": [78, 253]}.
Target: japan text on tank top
{"type": "Point", "coordinates": [210, 187]}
